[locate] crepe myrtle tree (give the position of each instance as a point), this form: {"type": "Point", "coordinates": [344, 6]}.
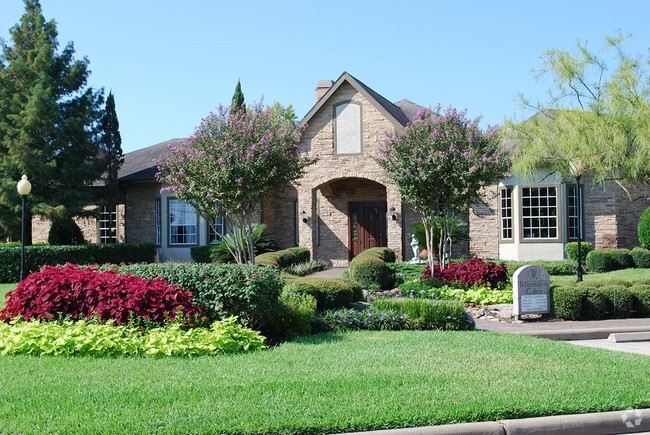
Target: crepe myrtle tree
{"type": "Point", "coordinates": [440, 163]}
{"type": "Point", "coordinates": [231, 161]}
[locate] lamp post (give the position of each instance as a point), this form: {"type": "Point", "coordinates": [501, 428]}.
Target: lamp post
{"type": "Point", "coordinates": [577, 169]}
{"type": "Point", "coordinates": [24, 187]}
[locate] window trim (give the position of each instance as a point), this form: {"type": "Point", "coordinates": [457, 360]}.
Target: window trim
{"type": "Point", "coordinates": [512, 215]}
{"type": "Point", "coordinates": [157, 222]}
{"type": "Point", "coordinates": [334, 128]}
{"type": "Point", "coordinates": [558, 217]}
{"type": "Point", "coordinates": [169, 225]}
{"type": "Point", "coordinates": [113, 237]}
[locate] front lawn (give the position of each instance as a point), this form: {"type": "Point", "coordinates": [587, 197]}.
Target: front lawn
{"type": "Point", "coordinates": [631, 275]}
{"type": "Point", "coordinates": [322, 384]}
{"type": "Point", "coordinates": [4, 288]}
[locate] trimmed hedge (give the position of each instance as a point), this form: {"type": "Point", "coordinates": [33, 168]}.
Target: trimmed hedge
{"type": "Point", "coordinates": [383, 253]}
{"type": "Point", "coordinates": [641, 298]}
{"type": "Point", "coordinates": [369, 268]}
{"type": "Point", "coordinates": [643, 228]}
{"type": "Point", "coordinates": [567, 302]}
{"type": "Point", "coordinates": [330, 293]}
{"type": "Point", "coordinates": [571, 251]}
{"type": "Point", "coordinates": [619, 300]}
{"type": "Point", "coordinates": [564, 268]}
{"type": "Point", "coordinates": [607, 260]}
{"type": "Point", "coordinates": [222, 290]}
{"type": "Point", "coordinates": [641, 257]}
{"type": "Point", "coordinates": [47, 255]}
{"type": "Point", "coordinates": [200, 254]}
{"type": "Point", "coordinates": [283, 258]}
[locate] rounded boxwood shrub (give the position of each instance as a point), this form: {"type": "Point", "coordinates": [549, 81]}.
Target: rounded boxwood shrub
{"type": "Point", "coordinates": [594, 304]}
{"type": "Point", "coordinates": [600, 260]}
{"type": "Point", "coordinates": [643, 229]}
{"type": "Point", "coordinates": [370, 271]}
{"type": "Point", "coordinates": [567, 302]}
{"type": "Point", "coordinates": [641, 298]}
{"type": "Point", "coordinates": [330, 293]}
{"type": "Point", "coordinates": [622, 258]}
{"type": "Point", "coordinates": [619, 300]}
{"type": "Point", "coordinates": [383, 253]}
{"type": "Point", "coordinates": [283, 258]}
{"type": "Point", "coordinates": [571, 251]}
{"type": "Point", "coordinates": [641, 257]}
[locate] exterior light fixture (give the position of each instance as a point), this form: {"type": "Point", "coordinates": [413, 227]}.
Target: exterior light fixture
{"type": "Point", "coordinates": [304, 216]}
{"type": "Point", "coordinates": [393, 214]}
{"type": "Point", "coordinates": [24, 187]}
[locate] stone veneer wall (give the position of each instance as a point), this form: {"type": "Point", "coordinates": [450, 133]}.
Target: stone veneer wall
{"type": "Point", "coordinates": [88, 225]}
{"type": "Point", "coordinates": [278, 210]}
{"type": "Point", "coordinates": [318, 140]}
{"type": "Point", "coordinates": [484, 225]}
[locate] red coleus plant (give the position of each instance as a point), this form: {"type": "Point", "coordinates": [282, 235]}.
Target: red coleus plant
{"type": "Point", "coordinates": [78, 293]}
{"type": "Point", "coordinates": [471, 272]}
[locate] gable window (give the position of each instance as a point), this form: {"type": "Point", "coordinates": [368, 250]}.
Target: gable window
{"type": "Point", "coordinates": [182, 223]}
{"type": "Point", "coordinates": [108, 224]}
{"type": "Point", "coordinates": [158, 221]}
{"type": "Point", "coordinates": [347, 128]}
{"type": "Point", "coordinates": [572, 212]}
{"type": "Point", "coordinates": [539, 213]}
{"type": "Point", "coordinates": [506, 213]}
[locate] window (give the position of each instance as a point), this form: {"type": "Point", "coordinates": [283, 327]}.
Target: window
{"type": "Point", "coordinates": [347, 128]}
{"type": "Point", "coordinates": [182, 223]}
{"type": "Point", "coordinates": [158, 222]}
{"type": "Point", "coordinates": [506, 213]}
{"type": "Point", "coordinates": [572, 212]}
{"type": "Point", "coordinates": [108, 224]}
{"type": "Point", "coordinates": [216, 230]}
{"type": "Point", "coordinates": [539, 212]}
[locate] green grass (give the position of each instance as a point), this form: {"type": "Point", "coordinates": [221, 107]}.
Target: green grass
{"type": "Point", "coordinates": [4, 288]}
{"type": "Point", "coordinates": [322, 384]}
{"type": "Point", "coordinates": [631, 275]}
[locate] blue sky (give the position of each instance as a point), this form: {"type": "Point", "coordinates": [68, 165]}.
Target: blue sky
{"type": "Point", "coordinates": [169, 63]}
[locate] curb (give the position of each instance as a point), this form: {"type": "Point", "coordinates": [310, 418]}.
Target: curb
{"type": "Point", "coordinates": [601, 423]}
{"type": "Point", "coordinates": [584, 334]}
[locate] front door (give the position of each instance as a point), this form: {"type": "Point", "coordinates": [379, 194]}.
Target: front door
{"type": "Point", "coordinates": [367, 224]}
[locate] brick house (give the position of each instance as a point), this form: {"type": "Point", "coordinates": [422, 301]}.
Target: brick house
{"type": "Point", "coordinates": [345, 203]}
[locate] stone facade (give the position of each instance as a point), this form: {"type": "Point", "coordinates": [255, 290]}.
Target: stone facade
{"type": "Point", "coordinates": [484, 226]}
{"type": "Point", "coordinates": [89, 227]}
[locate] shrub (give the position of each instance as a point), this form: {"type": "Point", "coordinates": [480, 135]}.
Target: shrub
{"type": "Point", "coordinates": [641, 298]}
{"type": "Point", "coordinates": [88, 338]}
{"type": "Point", "coordinates": [478, 294]}
{"type": "Point", "coordinates": [471, 272]}
{"type": "Point", "coordinates": [200, 254]}
{"type": "Point", "coordinates": [600, 260]}
{"type": "Point", "coordinates": [294, 315]}
{"type": "Point", "coordinates": [223, 290]}
{"type": "Point", "coordinates": [643, 229]}
{"type": "Point", "coordinates": [622, 258]}
{"type": "Point", "coordinates": [330, 293]}
{"type": "Point", "coordinates": [45, 255]}
{"type": "Point", "coordinates": [619, 300]}
{"type": "Point", "coordinates": [571, 251]}
{"type": "Point", "coordinates": [65, 231]}
{"type": "Point", "coordinates": [567, 302]}
{"type": "Point", "coordinates": [72, 292]}
{"type": "Point", "coordinates": [371, 271]}
{"type": "Point", "coordinates": [594, 304]}
{"type": "Point", "coordinates": [429, 314]}
{"type": "Point", "coordinates": [284, 258]}
{"type": "Point", "coordinates": [564, 268]}
{"type": "Point", "coordinates": [383, 253]}
{"type": "Point", "coordinates": [641, 257]}
{"type": "Point", "coordinates": [368, 319]}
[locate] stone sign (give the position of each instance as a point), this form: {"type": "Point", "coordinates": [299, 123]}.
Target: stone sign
{"type": "Point", "coordinates": [531, 291]}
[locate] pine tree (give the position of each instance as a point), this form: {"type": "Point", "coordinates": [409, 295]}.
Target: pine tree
{"type": "Point", "coordinates": [238, 102]}
{"type": "Point", "coordinates": [111, 142]}
{"type": "Point", "coordinates": [49, 120]}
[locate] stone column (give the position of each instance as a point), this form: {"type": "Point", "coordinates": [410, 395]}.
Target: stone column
{"type": "Point", "coordinates": [306, 229]}
{"type": "Point", "coordinates": [394, 230]}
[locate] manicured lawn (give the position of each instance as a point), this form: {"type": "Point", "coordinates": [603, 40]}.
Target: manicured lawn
{"type": "Point", "coordinates": [626, 274]}
{"type": "Point", "coordinates": [322, 384]}
{"type": "Point", "coordinates": [4, 288]}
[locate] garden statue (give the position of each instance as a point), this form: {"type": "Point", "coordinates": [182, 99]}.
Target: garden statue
{"type": "Point", "coordinates": [415, 245]}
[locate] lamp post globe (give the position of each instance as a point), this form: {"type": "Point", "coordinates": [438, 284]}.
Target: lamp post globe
{"type": "Point", "coordinates": [24, 187]}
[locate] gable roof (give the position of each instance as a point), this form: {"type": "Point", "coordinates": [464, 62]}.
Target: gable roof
{"type": "Point", "coordinates": [139, 165]}
{"type": "Point", "coordinates": [399, 114]}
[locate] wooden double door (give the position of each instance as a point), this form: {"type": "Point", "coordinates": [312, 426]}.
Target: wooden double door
{"type": "Point", "coordinates": [367, 226]}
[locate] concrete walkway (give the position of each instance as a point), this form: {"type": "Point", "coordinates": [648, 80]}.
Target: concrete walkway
{"type": "Point", "coordinates": [332, 272]}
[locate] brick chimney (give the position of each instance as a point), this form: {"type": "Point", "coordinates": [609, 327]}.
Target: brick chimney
{"type": "Point", "coordinates": [322, 87]}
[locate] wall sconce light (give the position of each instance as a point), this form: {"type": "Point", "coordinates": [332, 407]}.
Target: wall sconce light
{"type": "Point", "coordinates": [304, 216]}
{"type": "Point", "coordinates": [393, 214]}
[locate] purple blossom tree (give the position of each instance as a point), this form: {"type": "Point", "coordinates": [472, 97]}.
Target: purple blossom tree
{"type": "Point", "coordinates": [231, 161]}
{"type": "Point", "coordinates": [440, 163]}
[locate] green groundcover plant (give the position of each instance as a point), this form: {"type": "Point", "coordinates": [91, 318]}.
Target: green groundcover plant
{"type": "Point", "coordinates": [95, 339]}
